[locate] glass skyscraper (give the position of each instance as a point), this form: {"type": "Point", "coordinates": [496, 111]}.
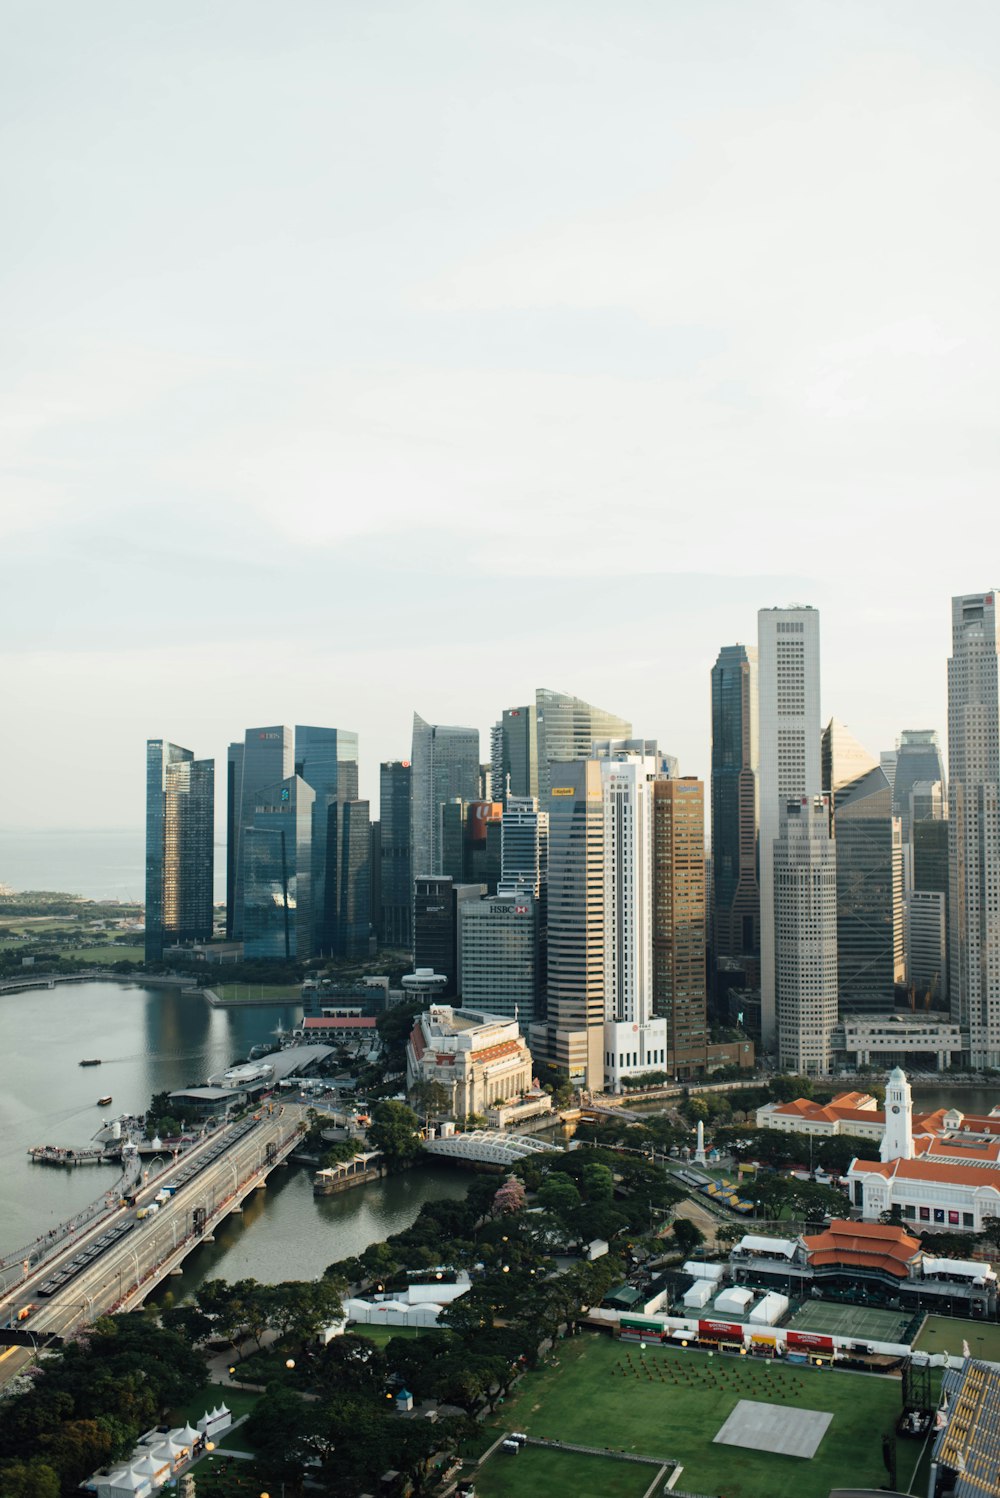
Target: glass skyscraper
{"type": "Point", "coordinates": [396, 919]}
{"type": "Point", "coordinates": [327, 760]}
{"type": "Point", "coordinates": [445, 766]}
{"type": "Point", "coordinates": [266, 759]}
{"type": "Point", "coordinates": [180, 846]}
{"type": "Point", "coordinates": [735, 891]}
{"type": "Point", "coordinates": [277, 858]}
{"type": "Point", "coordinates": [566, 728]}
{"type": "Point", "coordinates": [870, 910]}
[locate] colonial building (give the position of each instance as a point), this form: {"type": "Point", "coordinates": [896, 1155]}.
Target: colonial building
{"type": "Point", "coordinates": [479, 1058]}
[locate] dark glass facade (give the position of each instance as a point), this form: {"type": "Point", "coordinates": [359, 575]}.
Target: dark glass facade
{"type": "Point", "coordinates": [869, 895]}
{"type": "Point", "coordinates": [180, 847]}
{"type": "Point", "coordinates": [396, 913]}
{"type": "Point", "coordinates": [327, 760]}
{"type": "Point", "coordinates": [436, 906]}
{"type": "Point", "coordinates": [445, 767]}
{"type": "Point", "coordinates": [347, 916]}
{"type": "Point", "coordinates": [277, 907]}
{"type": "Point", "coordinates": [266, 760]}
{"type": "Point", "coordinates": [735, 890]}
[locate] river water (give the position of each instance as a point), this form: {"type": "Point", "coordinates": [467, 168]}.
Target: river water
{"type": "Point", "coordinates": [152, 1040]}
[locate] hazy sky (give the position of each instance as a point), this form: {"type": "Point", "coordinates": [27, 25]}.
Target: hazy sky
{"type": "Point", "coordinates": [364, 357]}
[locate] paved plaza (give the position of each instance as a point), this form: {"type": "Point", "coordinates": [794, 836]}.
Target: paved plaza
{"type": "Point", "coordinates": [774, 1427]}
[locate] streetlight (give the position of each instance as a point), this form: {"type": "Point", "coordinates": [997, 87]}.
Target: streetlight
{"type": "Point", "coordinates": [289, 1362]}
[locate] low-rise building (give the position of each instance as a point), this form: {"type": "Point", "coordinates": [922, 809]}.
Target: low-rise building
{"type": "Point", "coordinates": [481, 1059]}
{"type": "Point", "coordinates": [347, 1028]}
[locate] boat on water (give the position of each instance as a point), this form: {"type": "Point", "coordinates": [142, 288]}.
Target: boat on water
{"type": "Point", "coordinates": [104, 1102]}
{"type": "Point", "coordinates": [96, 1061]}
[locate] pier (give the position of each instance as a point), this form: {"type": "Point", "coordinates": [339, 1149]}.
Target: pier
{"type": "Point", "coordinates": [53, 1154]}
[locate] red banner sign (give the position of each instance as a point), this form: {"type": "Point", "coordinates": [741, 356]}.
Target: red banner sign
{"type": "Point", "coordinates": [809, 1342]}
{"type": "Point", "coordinates": [721, 1331]}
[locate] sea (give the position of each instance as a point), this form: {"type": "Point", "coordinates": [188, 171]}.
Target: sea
{"type": "Point", "coordinates": [98, 863]}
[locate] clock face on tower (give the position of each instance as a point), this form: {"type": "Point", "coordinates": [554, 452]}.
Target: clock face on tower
{"type": "Point", "coordinates": [895, 1107]}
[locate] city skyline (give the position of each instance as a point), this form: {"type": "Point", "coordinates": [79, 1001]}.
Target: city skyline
{"type": "Point", "coordinates": [519, 369]}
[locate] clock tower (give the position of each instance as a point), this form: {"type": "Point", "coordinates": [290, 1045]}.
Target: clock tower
{"type": "Point", "coordinates": [897, 1141]}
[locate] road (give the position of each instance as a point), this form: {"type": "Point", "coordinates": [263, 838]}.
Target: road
{"type": "Point", "coordinates": [121, 1277]}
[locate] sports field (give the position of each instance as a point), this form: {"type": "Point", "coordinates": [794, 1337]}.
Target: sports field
{"type": "Point", "coordinates": [536, 1473]}
{"type": "Point", "coordinates": [670, 1404]}
{"type": "Point", "coordinates": [867, 1324]}
{"type": "Point", "coordinates": [947, 1333]}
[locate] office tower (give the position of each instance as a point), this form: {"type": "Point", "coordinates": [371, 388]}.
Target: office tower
{"type": "Point", "coordinates": [870, 909]}
{"type": "Point", "coordinates": [887, 761]}
{"type": "Point", "coordinates": [974, 826]}
{"type": "Point", "coordinates": [499, 956]}
{"type": "Point", "coordinates": [918, 758]}
{"type": "Point", "coordinates": [396, 923]}
{"type": "Point", "coordinates": [927, 946]}
{"type": "Point", "coordinates": [327, 760]}
{"type": "Point", "coordinates": [347, 891]}
{"type": "Point", "coordinates": [634, 1037]}
{"type": "Point", "coordinates": [514, 753]}
{"type": "Point", "coordinates": [375, 878]}
{"type": "Point", "coordinates": [735, 906]}
{"type": "Point", "coordinates": [180, 847]}
{"type": "Point", "coordinates": [805, 919]}
{"type": "Point", "coordinates": [277, 877]}
{"type": "Point", "coordinates": [566, 728]}
{"type": "Point", "coordinates": [471, 842]}
{"type": "Point", "coordinates": [524, 847]}
{"type": "Point", "coordinates": [234, 789]}
{"type": "Point", "coordinates": [788, 667]}
{"type": "Point", "coordinates": [679, 994]}
{"type": "Point", "coordinates": [436, 926]}
{"type": "Point", "coordinates": [843, 758]}
{"type": "Point", "coordinates": [445, 764]}
{"type": "Point", "coordinates": [573, 1036]}
{"type": "Point", "coordinates": [266, 760]}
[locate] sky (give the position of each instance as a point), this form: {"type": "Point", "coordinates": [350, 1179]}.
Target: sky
{"type": "Point", "coordinates": [364, 359]}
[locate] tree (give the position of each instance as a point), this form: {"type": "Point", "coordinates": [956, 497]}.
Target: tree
{"type": "Point", "coordinates": [431, 1100]}
{"type": "Point", "coordinates": [688, 1235]}
{"type": "Point", "coordinates": [559, 1195]}
{"type": "Point", "coordinates": [509, 1199]}
{"type": "Point", "coordinates": [394, 1132]}
{"type": "Point", "coordinates": [28, 1480]}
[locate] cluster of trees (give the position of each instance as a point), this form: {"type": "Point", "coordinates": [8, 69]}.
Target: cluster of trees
{"type": "Point", "coordinates": [244, 1310]}
{"type": "Point", "coordinates": [91, 1403]}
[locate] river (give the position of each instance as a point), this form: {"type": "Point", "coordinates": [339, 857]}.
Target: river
{"type": "Point", "coordinates": [151, 1040]}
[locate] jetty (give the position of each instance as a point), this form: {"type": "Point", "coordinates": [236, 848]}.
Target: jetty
{"type": "Point", "coordinates": [54, 1154]}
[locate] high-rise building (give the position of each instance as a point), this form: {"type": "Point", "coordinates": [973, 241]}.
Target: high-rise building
{"type": "Point", "coordinates": [471, 842]}
{"type": "Point", "coordinates": [234, 791]}
{"type": "Point", "coordinates": [870, 908]}
{"type": "Point", "coordinates": [437, 926]}
{"type": "Point", "coordinates": [396, 921]}
{"type": "Point", "coordinates": [974, 826]}
{"type": "Point", "coordinates": [515, 754]}
{"type": "Point", "coordinates": [180, 846]}
{"type": "Point", "coordinates": [788, 666]}
{"type": "Point", "coordinates": [445, 765]}
{"type": "Point", "coordinates": [267, 759]}
{"type": "Point", "coordinates": [635, 1038]}
{"type": "Point", "coordinates": [918, 758]}
{"type": "Point", "coordinates": [566, 728]}
{"type": "Point", "coordinates": [736, 895]}
{"type": "Point", "coordinates": [347, 889]}
{"type": "Point", "coordinates": [327, 760]}
{"type": "Point", "coordinates": [927, 946]}
{"type": "Point", "coordinates": [679, 991]}
{"type": "Point", "coordinates": [524, 859]}
{"type": "Point", "coordinates": [499, 955]}
{"type": "Point", "coordinates": [843, 757]}
{"type": "Point", "coordinates": [277, 880]}
{"type": "Point", "coordinates": [573, 1036]}
{"type": "Point", "coordinates": [805, 919]}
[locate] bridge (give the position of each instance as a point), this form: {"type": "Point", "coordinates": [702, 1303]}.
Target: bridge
{"type": "Point", "coordinates": [114, 1264]}
{"type": "Point", "coordinates": [487, 1147]}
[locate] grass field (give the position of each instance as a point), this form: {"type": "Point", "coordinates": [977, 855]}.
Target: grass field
{"type": "Point", "coordinates": [281, 993]}
{"type": "Point", "coordinates": [594, 1398]}
{"type": "Point", "coordinates": [380, 1335]}
{"type": "Point", "coordinates": [237, 1401]}
{"type": "Point", "coordinates": [850, 1321]}
{"type": "Point", "coordinates": [536, 1473]}
{"type": "Point", "coordinates": [946, 1334]}
{"type": "Point", "coordinates": [110, 953]}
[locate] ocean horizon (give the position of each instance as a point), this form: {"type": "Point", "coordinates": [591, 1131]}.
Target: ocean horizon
{"type": "Point", "coordinates": [97, 863]}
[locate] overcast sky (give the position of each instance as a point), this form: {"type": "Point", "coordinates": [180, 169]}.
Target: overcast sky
{"type": "Point", "coordinates": [364, 357]}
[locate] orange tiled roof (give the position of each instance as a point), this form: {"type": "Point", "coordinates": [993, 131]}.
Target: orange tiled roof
{"type": "Point", "coordinates": [864, 1245]}
{"type": "Point", "coordinates": [923, 1169]}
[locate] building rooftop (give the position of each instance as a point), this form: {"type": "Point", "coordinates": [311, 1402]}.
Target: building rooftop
{"type": "Point", "coordinates": [864, 1245]}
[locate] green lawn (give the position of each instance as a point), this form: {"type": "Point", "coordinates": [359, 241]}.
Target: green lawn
{"type": "Point", "coordinates": [588, 1398]}
{"type": "Point", "coordinates": [280, 993]}
{"type": "Point", "coordinates": [380, 1335]}
{"type": "Point", "coordinates": [237, 1401]}
{"type": "Point", "coordinates": [946, 1334]}
{"type": "Point", "coordinates": [536, 1473]}
{"type": "Point", "coordinates": [113, 952]}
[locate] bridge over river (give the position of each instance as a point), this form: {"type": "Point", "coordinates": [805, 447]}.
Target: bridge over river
{"type": "Point", "coordinates": [113, 1265]}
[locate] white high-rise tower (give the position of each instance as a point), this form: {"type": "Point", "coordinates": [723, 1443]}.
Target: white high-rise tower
{"type": "Point", "coordinates": [789, 729]}
{"type": "Point", "coordinates": [897, 1141]}
{"type": "Point", "coordinates": [974, 825]}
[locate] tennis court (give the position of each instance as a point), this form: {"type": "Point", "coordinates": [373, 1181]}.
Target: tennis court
{"type": "Point", "coordinates": [863, 1322]}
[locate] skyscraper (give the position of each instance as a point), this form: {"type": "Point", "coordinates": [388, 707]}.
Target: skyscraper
{"type": "Point", "coordinates": [870, 909]}
{"type": "Point", "coordinates": [327, 760]}
{"type": "Point", "coordinates": [634, 1037]}
{"type": "Point", "coordinates": [347, 888]}
{"type": "Point", "coordinates": [437, 928]}
{"type": "Point", "coordinates": [514, 754]}
{"type": "Point", "coordinates": [277, 877]}
{"type": "Point", "coordinates": [843, 757]}
{"type": "Point", "coordinates": [974, 826]}
{"type": "Point", "coordinates": [267, 758]}
{"type": "Point", "coordinates": [499, 956]}
{"type": "Point", "coordinates": [918, 758]}
{"type": "Point", "coordinates": [566, 729]}
{"type": "Point", "coordinates": [573, 1036]}
{"type": "Point", "coordinates": [788, 664]}
{"type": "Point", "coordinates": [445, 765]}
{"type": "Point", "coordinates": [805, 918]}
{"type": "Point", "coordinates": [396, 921]}
{"type": "Point", "coordinates": [679, 995]}
{"type": "Point", "coordinates": [180, 846]}
{"type": "Point", "coordinates": [736, 895]}
{"type": "Point", "coordinates": [234, 790]}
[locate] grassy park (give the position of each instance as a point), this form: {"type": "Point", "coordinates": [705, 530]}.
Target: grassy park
{"type": "Point", "coordinates": [669, 1404]}
{"type": "Point", "coordinates": [947, 1333]}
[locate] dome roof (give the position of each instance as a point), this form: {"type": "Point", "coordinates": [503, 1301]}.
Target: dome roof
{"type": "Point", "coordinates": [897, 1074]}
